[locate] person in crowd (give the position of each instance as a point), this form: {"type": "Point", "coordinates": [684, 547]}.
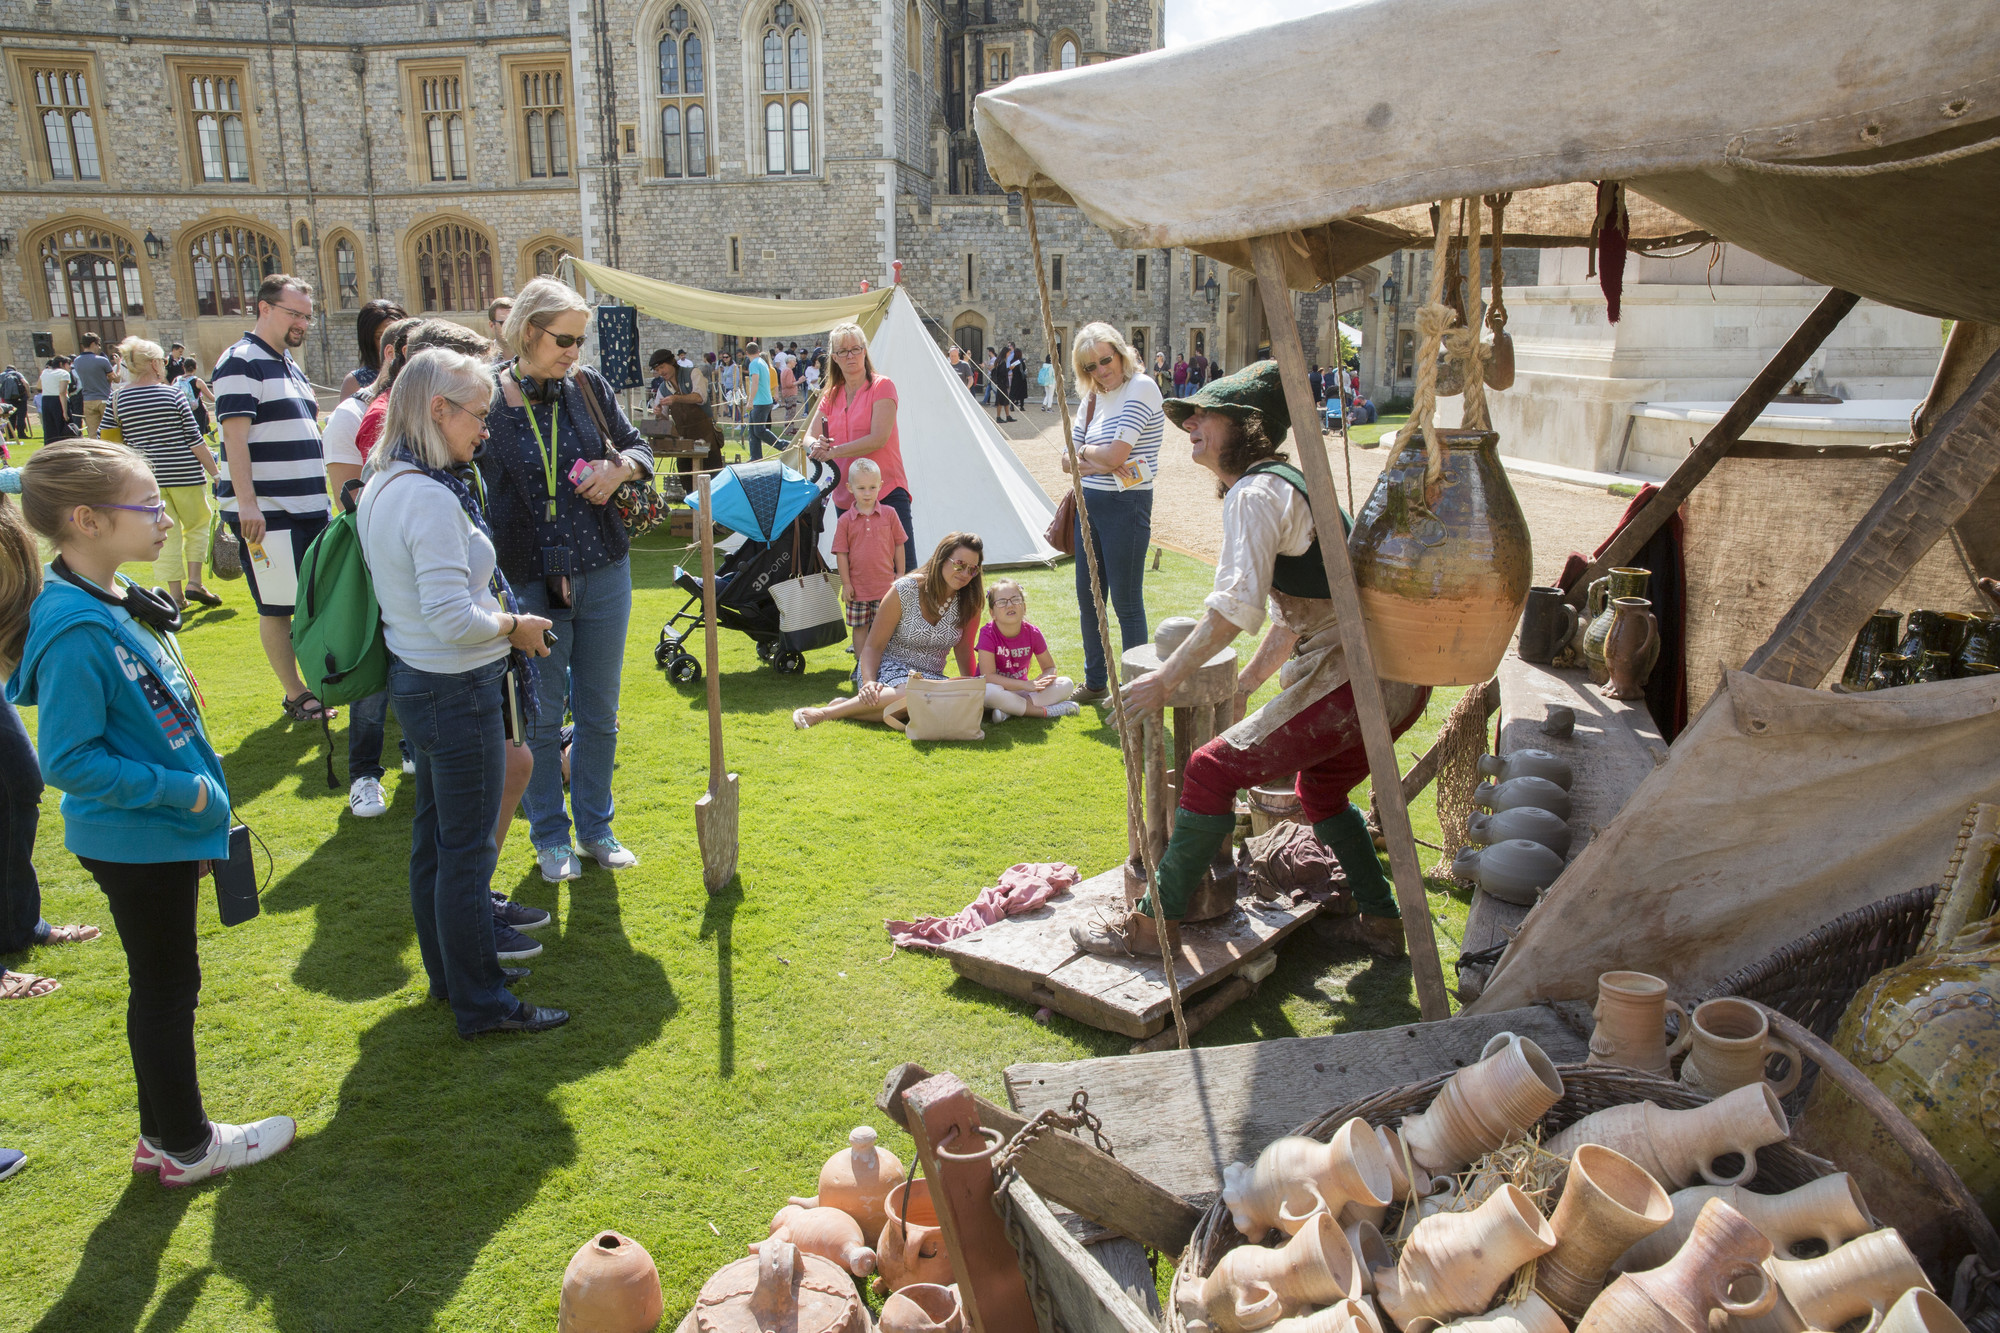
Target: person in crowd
{"type": "Point", "coordinates": [200, 397]}
{"type": "Point", "coordinates": [155, 419]}
{"type": "Point", "coordinates": [273, 487]}
{"type": "Point", "coordinates": [660, 372]}
{"type": "Point", "coordinates": [868, 548]}
{"type": "Point", "coordinates": [1197, 370]}
{"type": "Point", "coordinates": [1317, 382]}
{"type": "Point", "coordinates": [684, 398]}
{"type": "Point", "coordinates": [758, 385]}
{"type": "Point", "coordinates": [1118, 450]}
{"type": "Point", "coordinates": [368, 325]}
{"type": "Point", "coordinates": [453, 632]}
{"type": "Point", "coordinates": [92, 370]}
{"type": "Point", "coordinates": [814, 374]}
{"type": "Point", "coordinates": [56, 384]}
{"type": "Point", "coordinates": [926, 617]}
{"type": "Point", "coordinates": [856, 418]}
{"type": "Point", "coordinates": [497, 311]}
{"type": "Point", "coordinates": [1180, 375]}
{"type": "Point", "coordinates": [731, 398]}
{"type": "Point", "coordinates": [986, 375]}
{"type": "Point", "coordinates": [1008, 645]}
{"type": "Point", "coordinates": [564, 547]}
{"type": "Point", "coordinates": [1010, 393]}
{"type": "Point", "coordinates": [1046, 379]}
{"type": "Point", "coordinates": [179, 362]}
{"type": "Point", "coordinates": [961, 366]}
{"type": "Point", "coordinates": [788, 386]}
{"type": "Point", "coordinates": [1270, 555]}
{"type": "Point", "coordinates": [1163, 374]}
{"type": "Point", "coordinates": [144, 801]}
{"type": "Point", "coordinates": [374, 400]}
{"type": "Point", "coordinates": [14, 403]}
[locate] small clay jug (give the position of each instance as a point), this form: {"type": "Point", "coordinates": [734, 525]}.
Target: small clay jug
{"type": "Point", "coordinates": [1675, 1147]}
{"type": "Point", "coordinates": [1935, 666]}
{"type": "Point", "coordinates": [1537, 792]}
{"type": "Point", "coordinates": [1514, 870]}
{"type": "Point", "coordinates": [1719, 1268]}
{"type": "Point", "coordinates": [1455, 1263]}
{"type": "Point", "coordinates": [924, 1307]}
{"type": "Point", "coordinates": [1891, 670]}
{"type": "Point", "coordinates": [1878, 636]}
{"type": "Point", "coordinates": [826, 1232]}
{"type": "Point", "coordinates": [1920, 1311]}
{"type": "Point", "coordinates": [1631, 648]}
{"type": "Point", "coordinates": [1869, 1273]}
{"type": "Point", "coordinates": [1348, 1316]}
{"type": "Point", "coordinates": [1296, 1177]}
{"type": "Point", "coordinates": [1523, 821]}
{"type": "Point", "coordinates": [1484, 1105]}
{"type": "Point", "coordinates": [1732, 1040]}
{"type": "Point", "coordinates": [610, 1286]}
{"type": "Point", "coordinates": [1527, 764]}
{"type": "Point", "coordinates": [1371, 1251]}
{"type": "Point", "coordinates": [1548, 623]}
{"type": "Point", "coordinates": [1251, 1286]}
{"type": "Point", "coordinates": [1598, 611]}
{"type": "Point", "coordinates": [857, 1180]}
{"type": "Point", "coordinates": [1608, 1204]}
{"type": "Point", "coordinates": [1981, 648]}
{"type": "Point", "coordinates": [1829, 1210]}
{"type": "Point", "coordinates": [1920, 634]}
{"type": "Point", "coordinates": [1632, 1009]}
{"type": "Point", "coordinates": [1532, 1315]}
{"type": "Point", "coordinates": [778, 1287]}
{"type": "Point", "coordinates": [912, 1245]}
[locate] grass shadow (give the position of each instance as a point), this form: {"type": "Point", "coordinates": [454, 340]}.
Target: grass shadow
{"type": "Point", "coordinates": [114, 1280]}
{"type": "Point", "coordinates": [718, 921]}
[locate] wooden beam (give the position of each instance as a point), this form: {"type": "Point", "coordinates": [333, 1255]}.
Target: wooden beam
{"type": "Point", "coordinates": [1433, 1002]}
{"type": "Point", "coordinates": [1781, 370]}
{"type": "Point", "coordinates": [1072, 1290]}
{"type": "Point", "coordinates": [1966, 349]}
{"type": "Point", "coordinates": [1955, 462]}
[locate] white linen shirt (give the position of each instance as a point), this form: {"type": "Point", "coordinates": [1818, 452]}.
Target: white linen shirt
{"type": "Point", "coordinates": [1263, 517]}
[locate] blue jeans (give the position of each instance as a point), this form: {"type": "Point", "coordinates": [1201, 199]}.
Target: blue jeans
{"type": "Point", "coordinates": [899, 501]}
{"type": "Point", "coordinates": [454, 723]}
{"type": "Point", "coordinates": [1122, 524]}
{"type": "Point", "coordinates": [21, 923]}
{"type": "Point", "coordinates": [760, 430]}
{"type": "Point", "coordinates": [367, 719]}
{"type": "Point", "coordinates": [582, 670]}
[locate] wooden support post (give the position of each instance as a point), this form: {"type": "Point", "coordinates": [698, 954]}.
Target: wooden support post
{"type": "Point", "coordinates": [958, 1161]}
{"type": "Point", "coordinates": [1781, 370]}
{"type": "Point", "coordinates": [1432, 999]}
{"type": "Point", "coordinates": [1956, 461]}
{"type": "Point", "coordinates": [1153, 735]}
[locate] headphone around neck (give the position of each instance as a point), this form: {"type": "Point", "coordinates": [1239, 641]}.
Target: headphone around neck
{"type": "Point", "coordinates": [151, 607]}
{"type": "Point", "coordinates": [537, 390]}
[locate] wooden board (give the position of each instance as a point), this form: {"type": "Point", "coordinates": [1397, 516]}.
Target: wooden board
{"type": "Point", "coordinates": [1062, 1274]}
{"type": "Point", "coordinates": [715, 832]}
{"type": "Point", "coordinates": [1179, 1117]}
{"type": "Point", "coordinates": [1032, 957]}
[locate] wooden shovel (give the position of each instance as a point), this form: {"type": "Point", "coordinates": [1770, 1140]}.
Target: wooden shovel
{"type": "Point", "coordinates": [714, 812]}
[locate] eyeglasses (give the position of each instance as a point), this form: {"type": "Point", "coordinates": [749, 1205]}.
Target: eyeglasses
{"type": "Point", "coordinates": [461, 407]}
{"type": "Point", "coordinates": [849, 351]}
{"type": "Point", "coordinates": [155, 511]}
{"type": "Point", "coordinates": [961, 567]}
{"type": "Point", "coordinates": [999, 602]}
{"type": "Point", "coordinates": [1101, 364]}
{"type": "Point", "coordinates": [563, 340]}
{"type": "Point", "coordinates": [298, 316]}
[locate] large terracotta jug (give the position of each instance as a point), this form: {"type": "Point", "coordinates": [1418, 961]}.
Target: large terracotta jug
{"type": "Point", "coordinates": [1719, 1268]}
{"type": "Point", "coordinates": [1296, 1177]}
{"type": "Point", "coordinates": [857, 1180]}
{"type": "Point", "coordinates": [1484, 1105]}
{"type": "Point", "coordinates": [610, 1286]}
{"type": "Point", "coordinates": [1598, 612]}
{"type": "Point", "coordinates": [912, 1245]}
{"type": "Point", "coordinates": [1608, 1204]}
{"type": "Point", "coordinates": [1443, 574]}
{"type": "Point", "coordinates": [1675, 1147]}
{"type": "Point", "coordinates": [1251, 1286]}
{"type": "Point", "coordinates": [1455, 1263]}
{"type": "Point", "coordinates": [1829, 1210]}
{"type": "Point", "coordinates": [778, 1287]}
{"type": "Point", "coordinates": [1631, 1013]}
{"type": "Point", "coordinates": [1631, 648]}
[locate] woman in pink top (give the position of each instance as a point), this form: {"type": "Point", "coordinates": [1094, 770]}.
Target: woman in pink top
{"type": "Point", "coordinates": [856, 418]}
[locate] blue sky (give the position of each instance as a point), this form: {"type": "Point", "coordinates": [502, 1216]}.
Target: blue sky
{"type": "Point", "coordinates": [1198, 20]}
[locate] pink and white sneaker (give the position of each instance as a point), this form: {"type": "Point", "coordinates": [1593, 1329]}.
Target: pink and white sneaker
{"type": "Point", "coordinates": [230, 1147]}
{"type": "Point", "coordinates": [146, 1157]}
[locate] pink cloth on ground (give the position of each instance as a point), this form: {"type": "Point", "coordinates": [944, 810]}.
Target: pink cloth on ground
{"type": "Point", "coordinates": [1022, 888]}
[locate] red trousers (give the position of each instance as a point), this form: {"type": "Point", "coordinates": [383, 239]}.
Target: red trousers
{"type": "Point", "coordinates": [1322, 745]}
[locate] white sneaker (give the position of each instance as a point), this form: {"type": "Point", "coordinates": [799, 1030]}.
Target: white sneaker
{"type": "Point", "coordinates": [999, 716]}
{"type": "Point", "coordinates": [1066, 708]}
{"type": "Point", "coordinates": [559, 864]}
{"type": "Point", "coordinates": [230, 1147]}
{"type": "Point", "coordinates": [365, 798]}
{"type": "Point", "coordinates": [610, 854]}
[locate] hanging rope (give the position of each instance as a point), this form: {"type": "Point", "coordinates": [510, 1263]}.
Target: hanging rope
{"type": "Point", "coordinates": [1433, 318]}
{"type": "Point", "coordinates": [1340, 380]}
{"type": "Point", "coordinates": [1464, 343]}
{"type": "Point", "coordinates": [1129, 741]}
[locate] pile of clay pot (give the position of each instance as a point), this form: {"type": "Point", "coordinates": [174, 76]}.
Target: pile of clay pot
{"type": "Point", "coordinates": [802, 1279]}
{"type": "Point", "coordinates": [1524, 836]}
{"type": "Point", "coordinates": [1437, 1225]}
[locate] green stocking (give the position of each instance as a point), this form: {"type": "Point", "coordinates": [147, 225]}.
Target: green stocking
{"type": "Point", "coordinates": [1347, 834]}
{"type": "Point", "coordinates": [1196, 840]}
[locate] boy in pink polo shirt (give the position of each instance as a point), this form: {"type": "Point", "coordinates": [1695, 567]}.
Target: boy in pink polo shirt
{"type": "Point", "coordinates": [867, 546]}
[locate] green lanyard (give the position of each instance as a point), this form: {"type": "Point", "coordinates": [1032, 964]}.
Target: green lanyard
{"type": "Point", "coordinates": [545, 447]}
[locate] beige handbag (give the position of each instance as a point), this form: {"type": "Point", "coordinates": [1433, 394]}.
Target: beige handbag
{"type": "Point", "coordinates": [944, 710]}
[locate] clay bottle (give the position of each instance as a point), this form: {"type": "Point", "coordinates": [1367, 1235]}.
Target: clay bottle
{"type": "Point", "coordinates": [1631, 648]}
{"type": "Point", "coordinates": [610, 1286]}
{"type": "Point", "coordinates": [1526, 764]}
{"type": "Point", "coordinates": [1829, 1210]}
{"type": "Point", "coordinates": [1523, 821]}
{"type": "Point", "coordinates": [1868, 1273]}
{"type": "Point", "coordinates": [826, 1232]}
{"type": "Point", "coordinates": [1719, 1268]}
{"type": "Point", "coordinates": [1295, 1177]}
{"type": "Point", "coordinates": [857, 1179]}
{"type": "Point", "coordinates": [1251, 1286]}
{"type": "Point", "coordinates": [1676, 1147]}
{"type": "Point", "coordinates": [1455, 1263]}
{"type": "Point", "coordinates": [778, 1287]}
{"type": "Point", "coordinates": [1607, 1205]}
{"type": "Point", "coordinates": [1537, 792]}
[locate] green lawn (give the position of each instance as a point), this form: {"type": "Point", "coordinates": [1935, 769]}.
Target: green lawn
{"type": "Point", "coordinates": [720, 1048]}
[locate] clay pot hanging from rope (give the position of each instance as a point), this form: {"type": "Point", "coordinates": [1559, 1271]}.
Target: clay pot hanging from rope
{"type": "Point", "coordinates": [1443, 571]}
{"type": "Point", "coordinates": [1608, 1204]}
{"type": "Point", "coordinates": [1717, 1269]}
{"type": "Point", "coordinates": [778, 1287]}
{"type": "Point", "coordinates": [1675, 1147]}
{"type": "Point", "coordinates": [1631, 1016]}
{"type": "Point", "coordinates": [610, 1286]}
{"type": "Point", "coordinates": [826, 1232]}
{"type": "Point", "coordinates": [1829, 1210]}
{"type": "Point", "coordinates": [1296, 1176]}
{"type": "Point", "coordinates": [1484, 1105]}
{"type": "Point", "coordinates": [1251, 1286]}
{"type": "Point", "coordinates": [1454, 1263]}
{"type": "Point", "coordinates": [857, 1180]}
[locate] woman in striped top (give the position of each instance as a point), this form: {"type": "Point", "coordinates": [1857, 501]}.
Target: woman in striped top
{"type": "Point", "coordinates": [1119, 452]}
{"type": "Point", "coordinates": [156, 419]}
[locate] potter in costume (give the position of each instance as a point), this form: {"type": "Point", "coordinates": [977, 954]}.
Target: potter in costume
{"type": "Point", "coordinates": [1270, 553]}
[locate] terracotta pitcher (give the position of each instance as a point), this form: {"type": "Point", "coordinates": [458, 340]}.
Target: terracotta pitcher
{"type": "Point", "coordinates": [826, 1232]}
{"type": "Point", "coordinates": [610, 1286]}
{"type": "Point", "coordinates": [1523, 821]}
{"type": "Point", "coordinates": [1484, 1105]}
{"type": "Point", "coordinates": [1531, 791]}
{"type": "Point", "coordinates": [1829, 1210]}
{"type": "Point", "coordinates": [912, 1245]}
{"type": "Point", "coordinates": [1920, 1311]}
{"type": "Point", "coordinates": [1251, 1286]}
{"type": "Point", "coordinates": [1608, 1204]}
{"type": "Point", "coordinates": [1527, 764]}
{"type": "Point", "coordinates": [778, 1288]}
{"type": "Point", "coordinates": [1532, 1315]}
{"type": "Point", "coordinates": [1295, 1177]}
{"type": "Point", "coordinates": [1455, 1263]}
{"type": "Point", "coordinates": [857, 1180]}
{"type": "Point", "coordinates": [1443, 572]}
{"type": "Point", "coordinates": [1869, 1273]}
{"type": "Point", "coordinates": [1348, 1316]}
{"type": "Point", "coordinates": [1631, 1013]}
{"type": "Point", "coordinates": [1621, 581]}
{"type": "Point", "coordinates": [1632, 647]}
{"type": "Point", "coordinates": [1732, 1039]}
{"type": "Point", "coordinates": [924, 1307]}
{"type": "Point", "coordinates": [1717, 1269]}
{"type": "Point", "coordinates": [1675, 1147]}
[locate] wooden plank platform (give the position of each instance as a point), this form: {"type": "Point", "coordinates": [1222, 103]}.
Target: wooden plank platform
{"type": "Point", "coordinates": [1615, 745]}
{"type": "Point", "coordinates": [1179, 1117]}
{"type": "Point", "coordinates": [1030, 956]}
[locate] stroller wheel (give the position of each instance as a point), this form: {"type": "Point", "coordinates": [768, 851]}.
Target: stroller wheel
{"type": "Point", "coordinates": [663, 652]}
{"type": "Point", "coordinates": [790, 664]}
{"type": "Point", "coordinates": [766, 650]}
{"type": "Point", "coordinates": [684, 670]}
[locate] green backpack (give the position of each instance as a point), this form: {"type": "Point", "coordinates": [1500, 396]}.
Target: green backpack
{"type": "Point", "coordinates": [337, 624]}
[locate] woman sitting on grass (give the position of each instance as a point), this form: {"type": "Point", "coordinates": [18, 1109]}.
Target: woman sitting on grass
{"type": "Point", "coordinates": [1007, 646]}
{"type": "Point", "coordinates": [926, 617]}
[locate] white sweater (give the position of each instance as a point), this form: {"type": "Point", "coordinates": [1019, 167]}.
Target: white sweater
{"type": "Point", "coordinates": [432, 569]}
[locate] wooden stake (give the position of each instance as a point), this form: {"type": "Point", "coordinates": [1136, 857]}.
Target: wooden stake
{"type": "Point", "coordinates": [1432, 1000]}
{"type": "Point", "coordinates": [715, 812]}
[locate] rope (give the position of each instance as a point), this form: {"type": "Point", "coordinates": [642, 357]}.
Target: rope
{"type": "Point", "coordinates": [1496, 313]}
{"type": "Point", "coordinates": [1732, 156]}
{"type": "Point", "coordinates": [1433, 318]}
{"type": "Point", "coordinates": [1466, 346]}
{"type": "Point", "coordinates": [1128, 727]}
{"type": "Point", "coordinates": [1463, 738]}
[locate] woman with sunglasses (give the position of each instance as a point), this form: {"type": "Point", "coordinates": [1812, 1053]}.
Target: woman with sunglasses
{"type": "Point", "coordinates": [856, 418]}
{"type": "Point", "coordinates": [927, 617]}
{"type": "Point", "coordinates": [1118, 449]}
{"type": "Point", "coordinates": [550, 474]}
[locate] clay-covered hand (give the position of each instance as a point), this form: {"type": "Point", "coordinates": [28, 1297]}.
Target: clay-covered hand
{"type": "Point", "coordinates": [1147, 694]}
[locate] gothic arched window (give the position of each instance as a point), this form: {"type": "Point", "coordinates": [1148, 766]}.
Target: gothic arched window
{"type": "Point", "coordinates": [683, 82]}
{"type": "Point", "coordinates": [787, 92]}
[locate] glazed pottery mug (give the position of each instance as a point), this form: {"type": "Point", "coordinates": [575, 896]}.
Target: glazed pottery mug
{"type": "Point", "coordinates": [1548, 623]}
{"type": "Point", "coordinates": [1732, 1040]}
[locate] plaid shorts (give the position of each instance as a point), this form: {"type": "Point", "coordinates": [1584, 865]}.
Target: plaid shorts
{"type": "Point", "coordinates": [860, 615]}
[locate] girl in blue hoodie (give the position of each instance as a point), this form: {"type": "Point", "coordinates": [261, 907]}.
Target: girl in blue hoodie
{"type": "Point", "coordinates": [144, 804]}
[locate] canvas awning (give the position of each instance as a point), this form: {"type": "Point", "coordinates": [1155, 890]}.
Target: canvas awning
{"type": "Point", "coordinates": [721, 312]}
{"type": "Point", "coordinates": [1709, 110]}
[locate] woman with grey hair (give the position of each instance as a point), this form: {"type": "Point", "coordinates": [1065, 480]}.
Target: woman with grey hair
{"type": "Point", "coordinates": [455, 638]}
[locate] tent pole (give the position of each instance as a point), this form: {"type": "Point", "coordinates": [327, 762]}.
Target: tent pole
{"type": "Point", "coordinates": [1432, 999]}
{"type": "Point", "coordinates": [1129, 731]}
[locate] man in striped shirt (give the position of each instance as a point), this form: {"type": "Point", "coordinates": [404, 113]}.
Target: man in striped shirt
{"type": "Point", "coordinates": [273, 487]}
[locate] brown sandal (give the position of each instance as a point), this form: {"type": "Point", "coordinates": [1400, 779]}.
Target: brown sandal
{"type": "Point", "coordinates": [72, 934]}
{"type": "Point", "coordinates": [26, 986]}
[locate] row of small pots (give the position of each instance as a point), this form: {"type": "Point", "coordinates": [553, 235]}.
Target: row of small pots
{"type": "Point", "coordinates": [1935, 645]}
{"type": "Point", "coordinates": [1522, 841]}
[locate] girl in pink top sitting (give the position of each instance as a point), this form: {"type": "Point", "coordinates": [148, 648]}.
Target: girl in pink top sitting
{"type": "Point", "coordinates": [1007, 644]}
{"type": "Point", "coordinates": [856, 418]}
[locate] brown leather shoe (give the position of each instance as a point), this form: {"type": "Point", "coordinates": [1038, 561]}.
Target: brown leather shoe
{"type": "Point", "coordinates": [1132, 936]}
{"type": "Point", "coordinates": [1378, 934]}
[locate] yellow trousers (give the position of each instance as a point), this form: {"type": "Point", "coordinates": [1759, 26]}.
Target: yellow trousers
{"type": "Point", "coordinates": [187, 539]}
